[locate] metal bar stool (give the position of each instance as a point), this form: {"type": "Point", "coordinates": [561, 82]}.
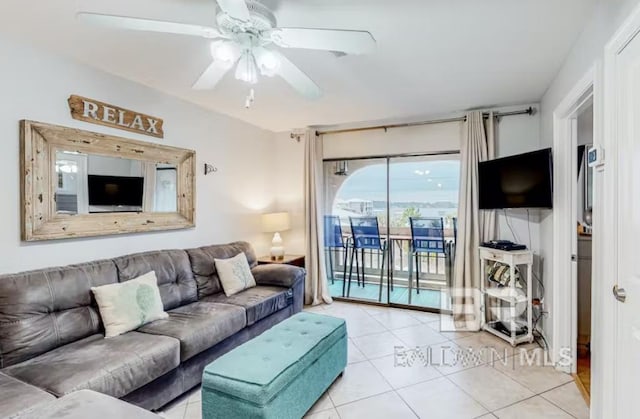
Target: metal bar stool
{"type": "Point", "coordinates": [427, 236]}
{"type": "Point", "coordinates": [366, 235]}
{"type": "Point", "coordinates": [333, 239]}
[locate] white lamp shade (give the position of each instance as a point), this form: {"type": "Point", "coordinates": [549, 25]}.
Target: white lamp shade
{"type": "Point", "coordinates": [275, 222]}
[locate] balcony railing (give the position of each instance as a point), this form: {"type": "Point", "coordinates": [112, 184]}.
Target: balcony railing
{"type": "Point", "coordinates": [435, 268]}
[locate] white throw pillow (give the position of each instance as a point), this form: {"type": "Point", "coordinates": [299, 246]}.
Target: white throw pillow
{"type": "Point", "coordinates": [128, 305]}
{"type": "Point", "coordinates": [235, 274]}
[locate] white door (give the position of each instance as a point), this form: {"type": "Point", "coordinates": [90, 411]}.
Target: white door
{"type": "Point", "coordinates": [625, 69]}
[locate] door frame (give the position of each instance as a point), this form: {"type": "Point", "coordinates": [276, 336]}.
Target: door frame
{"type": "Point", "coordinates": [564, 307]}
{"type": "Point", "coordinates": [605, 367]}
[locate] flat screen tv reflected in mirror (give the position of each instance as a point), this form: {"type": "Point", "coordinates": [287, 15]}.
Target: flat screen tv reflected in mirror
{"type": "Point", "coordinates": [116, 191]}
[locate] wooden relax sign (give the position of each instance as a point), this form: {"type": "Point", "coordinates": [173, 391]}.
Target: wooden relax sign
{"type": "Point", "coordinates": [101, 113]}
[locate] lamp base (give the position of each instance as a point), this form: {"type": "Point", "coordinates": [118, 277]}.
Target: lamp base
{"type": "Point", "coordinates": [277, 249]}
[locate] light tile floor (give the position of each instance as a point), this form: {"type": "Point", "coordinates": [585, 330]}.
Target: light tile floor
{"type": "Point", "coordinates": [373, 387]}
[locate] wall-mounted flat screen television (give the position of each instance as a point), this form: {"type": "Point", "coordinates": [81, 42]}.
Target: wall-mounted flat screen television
{"type": "Point", "coordinates": [115, 190]}
{"type": "Point", "coordinates": [521, 181]}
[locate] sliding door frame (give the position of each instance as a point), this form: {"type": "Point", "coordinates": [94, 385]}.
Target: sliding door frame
{"type": "Point", "coordinates": [389, 268]}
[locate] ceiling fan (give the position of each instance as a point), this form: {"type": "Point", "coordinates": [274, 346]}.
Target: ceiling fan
{"type": "Point", "coordinates": [245, 36]}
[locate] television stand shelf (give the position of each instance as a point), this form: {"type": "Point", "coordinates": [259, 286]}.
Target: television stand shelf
{"type": "Point", "coordinates": [508, 295]}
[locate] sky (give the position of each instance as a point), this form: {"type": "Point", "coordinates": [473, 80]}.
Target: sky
{"type": "Point", "coordinates": [427, 181]}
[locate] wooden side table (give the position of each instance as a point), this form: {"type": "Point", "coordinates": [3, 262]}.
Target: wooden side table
{"type": "Point", "coordinates": [295, 260]}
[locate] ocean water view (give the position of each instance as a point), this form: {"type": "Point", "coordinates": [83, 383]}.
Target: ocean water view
{"type": "Point", "coordinates": [427, 188]}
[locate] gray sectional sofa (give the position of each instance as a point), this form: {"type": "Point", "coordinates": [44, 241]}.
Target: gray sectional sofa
{"type": "Point", "coordinates": [52, 339]}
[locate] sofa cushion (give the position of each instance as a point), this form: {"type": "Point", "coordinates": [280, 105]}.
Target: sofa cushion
{"type": "Point", "coordinates": [17, 397]}
{"type": "Point", "coordinates": [199, 326]}
{"type": "Point", "coordinates": [173, 270]}
{"type": "Point", "coordinates": [89, 404]}
{"type": "Point", "coordinates": [259, 302]}
{"type": "Point", "coordinates": [113, 366]}
{"type": "Point", "coordinates": [44, 309]}
{"type": "Point", "coordinates": [204, 268]}
{"type": "Point", "coordinates": [126, 306]}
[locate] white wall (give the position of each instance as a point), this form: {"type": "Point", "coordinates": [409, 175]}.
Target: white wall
{"type": "Point", "coordinates": [515, 135]}
{"type": "Point", "coordinates": [587, 51]}
{"type": "Point", "coordinates": [289, 179]}
{"type": "Point", "coordinates": [35, 85]}
{"type": "Point", "coordinates": [419, 139]}
{"type": "Point", "coordinates": [113, 166]}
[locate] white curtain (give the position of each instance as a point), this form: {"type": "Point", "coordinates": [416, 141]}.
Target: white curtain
{"type": "Point", "coordinates": [474, 225]}
{"type": "Point", "coordinates": [316, 286]}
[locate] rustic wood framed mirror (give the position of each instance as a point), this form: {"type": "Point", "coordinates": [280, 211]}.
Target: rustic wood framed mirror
{"type": "Point", "coordinates": [77, 183]}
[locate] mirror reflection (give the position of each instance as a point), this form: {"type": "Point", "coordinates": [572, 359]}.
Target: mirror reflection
{"type": "Point", "coordinates": [89, 183]}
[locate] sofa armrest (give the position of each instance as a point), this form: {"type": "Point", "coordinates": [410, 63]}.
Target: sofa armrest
{"type": "Point", "coordinates": [287, 276]}
{"type": "Point", "coordinates": [280, 275]}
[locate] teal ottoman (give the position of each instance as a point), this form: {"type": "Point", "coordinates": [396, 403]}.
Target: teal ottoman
{"type": "Point", "coordinates": [279, 374]}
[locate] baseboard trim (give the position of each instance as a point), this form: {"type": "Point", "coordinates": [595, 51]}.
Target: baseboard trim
{"type": "Point", "coordinates": [583, 389]}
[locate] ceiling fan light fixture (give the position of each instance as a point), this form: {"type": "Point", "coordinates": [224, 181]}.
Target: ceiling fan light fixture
{"type": "Point", "coordinates": [247, 69]}
{"type": "Point", "coordinates": [223, 52]}
{"type": "Point", "coordinates": [268, 63]}
{"type": "Point", "coordinates": [248, 31]}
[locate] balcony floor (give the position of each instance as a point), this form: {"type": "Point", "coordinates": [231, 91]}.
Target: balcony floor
{"type": "Point", "coordinates": [430, 298]}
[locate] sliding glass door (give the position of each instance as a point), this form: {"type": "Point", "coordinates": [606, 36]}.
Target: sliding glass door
{"type": "Point", "coordinates": [356, 228]}
{"type": "Point", "coordinates": [423, 209]}
{"type": "Point", "coordinates": [390, 226]}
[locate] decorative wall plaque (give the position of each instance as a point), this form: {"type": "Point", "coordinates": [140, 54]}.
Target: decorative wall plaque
{"type": "Point", "coordinates": [96, 112]}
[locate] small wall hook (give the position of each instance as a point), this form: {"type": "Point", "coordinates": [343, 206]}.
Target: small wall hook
{"type": "Point", "coordinates": [209, 169]}
{"type": "Point", "coordinates": [297, 135]}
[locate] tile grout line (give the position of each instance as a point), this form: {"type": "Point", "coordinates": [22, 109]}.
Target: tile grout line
{"type": "Point", "coordinates": [442, 375]}
{"type": "Point", "coordinates": [367, 397]}
{"type": "Point", "coordinates": [362, 398]}
{"type": "Point", "coordinates": [515, 403]}
{"type": "Point", "coordinates": [523, 384]}
{"type": "Point", "coordinates": [467, 393]}
{"type": "Point", "coordinates": [407, 404]}
{"type": "Point", "coordinates": [408, 385]}
{"type": "Point", "coordinates": [511, 404]}
{"type": "Point", "coordinates": [556, 405]}
{"type": "Point", "coordinates": [515, 381]}
{"type": "Point", "coordinates": [505, 376]}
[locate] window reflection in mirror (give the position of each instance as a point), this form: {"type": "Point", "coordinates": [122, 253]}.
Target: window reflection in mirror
{"type": "Point", "coordinates": [88, 184]}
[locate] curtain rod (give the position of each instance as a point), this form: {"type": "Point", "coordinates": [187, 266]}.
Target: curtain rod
{"type": "Point", "coordinates": [528, 111]}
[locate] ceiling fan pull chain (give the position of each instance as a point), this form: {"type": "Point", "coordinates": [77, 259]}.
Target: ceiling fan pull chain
{"type": "Point", "coordinates": [251, 97]}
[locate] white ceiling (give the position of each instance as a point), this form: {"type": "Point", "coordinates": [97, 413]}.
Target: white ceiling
{"type": "Point", "coordinates": [434, 56]}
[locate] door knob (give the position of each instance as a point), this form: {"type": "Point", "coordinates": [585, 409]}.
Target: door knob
{"type": "Point", "coordinates": [619, 293]}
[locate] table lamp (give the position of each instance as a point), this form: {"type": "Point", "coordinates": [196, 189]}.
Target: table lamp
{"type": "Point", "coordinates": [275, 223]}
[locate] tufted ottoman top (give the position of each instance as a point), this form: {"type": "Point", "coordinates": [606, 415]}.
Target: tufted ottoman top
{"type": "Point", "coordinates": [257, 370]}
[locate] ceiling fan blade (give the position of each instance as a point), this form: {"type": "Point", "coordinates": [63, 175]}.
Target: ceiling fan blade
{"type": "Point", "coordinates": [148, 25]}
{"type": "Point", "coordinates": [350, 42]}
{"type": "Point", "coordinates": [296, 77]}
{"type": "Point", "coordinates": [237, 9]}
{"type": "Point", "coordinates": [212, 75]}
